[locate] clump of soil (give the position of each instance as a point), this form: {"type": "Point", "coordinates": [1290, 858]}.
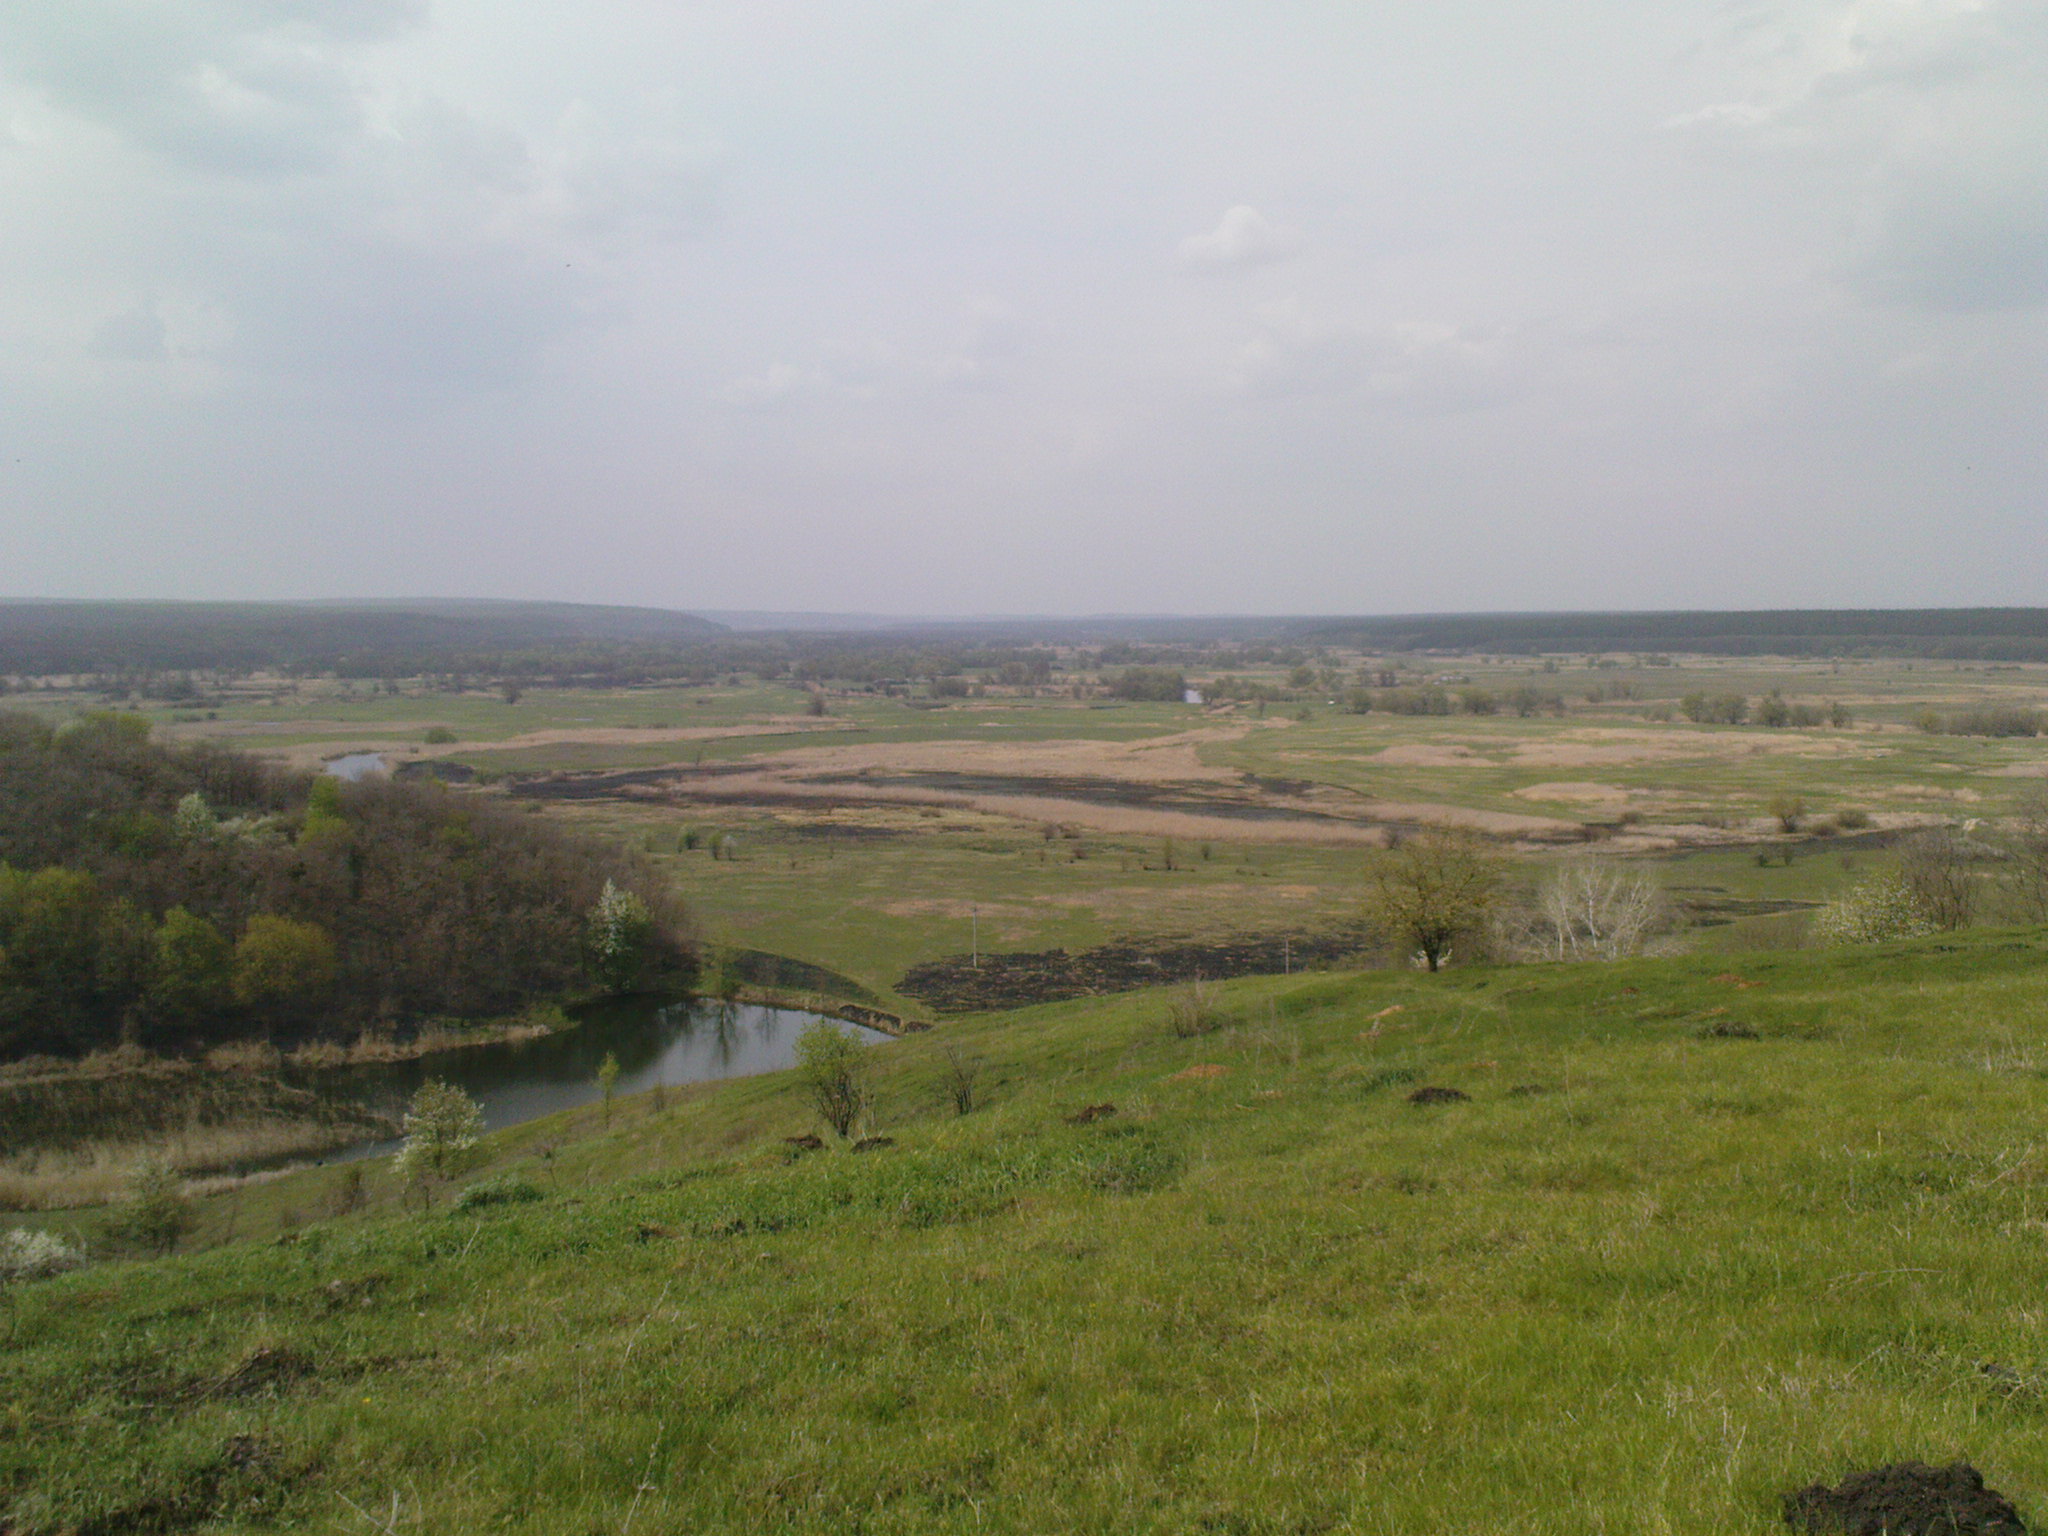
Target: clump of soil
{"type": "Point", "coordinates": [871, 1143]}
{"type": "Point", "coordinates": [1438, 1096]}
{"type": "Point", "coordinates": [1908, 1498]}
{"type": "Point", "coordinates": [802, 1144]}
{"type": "Point", "coordinates": [958, 984]}
{"type": "Point", "coordinates": [1091, 1114]}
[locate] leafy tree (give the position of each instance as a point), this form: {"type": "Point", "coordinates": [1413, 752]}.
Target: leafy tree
{"type": "Point", "coordinates": [324, 818]}
{"type": "Point", "coordinates": [1433, 889]}
{"type": "Point", "coordinates": [1789, 809]}
{"type": "Point", "coordinates": [195, 968]}
{"type": "Point", "coordinates": [832, 1066]}
{"type": "Point", "coordinates": [442, 1128]}
{"type": "Point", "coordinates": [283, 967]}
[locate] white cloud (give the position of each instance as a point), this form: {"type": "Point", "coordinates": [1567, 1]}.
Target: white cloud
{"type": "Point", "coordinates": [1410, 365]}
{"type": "Point", "coordinates": [1244, 237]}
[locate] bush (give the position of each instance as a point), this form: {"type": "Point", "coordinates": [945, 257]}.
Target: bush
{"type": "Point", "coordinates": [832, 1065]}
{"type": "Point", "coordinates": [439, 736]}
{"type": "Point", "coordinates": [28, 1255]}
{"type": "Point", "coordinates": [157, 1214]}
{"type": "Point", "coordinates": [1877, 910]}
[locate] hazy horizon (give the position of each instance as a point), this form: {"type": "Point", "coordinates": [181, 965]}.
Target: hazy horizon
{"type": "Point", "coordinates": [923, 310]}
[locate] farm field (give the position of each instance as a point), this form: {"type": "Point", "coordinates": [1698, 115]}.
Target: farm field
{"type": "Point", "coordinates": [1694, 1236]}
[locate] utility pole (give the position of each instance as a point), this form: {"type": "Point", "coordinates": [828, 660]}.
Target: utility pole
{"type": "Point", "coordinates": [974, 916]}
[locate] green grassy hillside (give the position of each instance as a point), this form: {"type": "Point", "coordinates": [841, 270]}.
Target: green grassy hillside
{"type": "Point", "coordinates": [1694, 1238]}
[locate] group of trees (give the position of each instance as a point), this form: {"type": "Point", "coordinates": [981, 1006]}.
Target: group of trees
{"type": "Point", "coordinates": [177, 896]}
{"type": "Point", "coordinates": [1772, 710]}
{"type": "Point", "coordinates": [2002, 721]}
{"type": "Point", "coordinates": [1522, 700]}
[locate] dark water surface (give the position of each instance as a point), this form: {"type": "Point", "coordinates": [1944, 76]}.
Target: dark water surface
{"type": "Point", "coordinates": [657, 1041]}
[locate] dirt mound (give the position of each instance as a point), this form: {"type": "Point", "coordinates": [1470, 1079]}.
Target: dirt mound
{"type": "Point", "coordinates": [1727, 1029]}
{"type": "Point", "coordinates": [956, 984]}
{"type": "Point", "coordinates": [1908, 1498]}
{"type": "Point", "coordinates": [1438, 1096]}
{"type": "Point", "coordinates": [1091, 1114]}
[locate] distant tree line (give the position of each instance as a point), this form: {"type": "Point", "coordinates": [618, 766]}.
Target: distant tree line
{"type": "Point", "coordinates": [177, 896]}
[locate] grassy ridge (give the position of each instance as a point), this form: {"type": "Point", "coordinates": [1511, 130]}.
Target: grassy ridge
{"type": "Point", "coordinates": [1693, 1271]}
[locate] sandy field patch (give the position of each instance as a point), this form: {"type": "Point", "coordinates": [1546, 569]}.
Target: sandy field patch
{"type": "Point", "coordinates": [1930, 792]}
{"type": "Point", "coordinates": [1423, 754]}
{"type": "Point", "coordinates": [1154, 760]}
{"type": "Point", "coordinates": [1576, 792]}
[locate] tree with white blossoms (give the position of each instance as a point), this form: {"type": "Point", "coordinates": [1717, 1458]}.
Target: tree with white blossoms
{"type": "Point", "coordinates": [620, 928]}
{"type": "Point", "coordinates": [442, 1128]}
{"type": "Point", "coordinates": [193, 821]}
{"type": "Point", "coordinates": [26, 1255]}
{"type": "Point", "coordinates": [1878, 909]}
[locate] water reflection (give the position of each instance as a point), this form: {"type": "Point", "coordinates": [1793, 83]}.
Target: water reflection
{"type": "Point", "coordinates": [657, 1043]}
{"type": "Point", "coordinates": [356, 765]}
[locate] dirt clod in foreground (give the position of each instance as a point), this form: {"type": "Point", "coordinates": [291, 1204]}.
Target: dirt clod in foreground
{"type": "Point", "coordinates": [1908, 1498]}
{"type": "Point", "coordinates": [1438, 1096]}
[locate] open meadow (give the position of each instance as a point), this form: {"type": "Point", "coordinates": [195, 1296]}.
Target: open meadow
{"type": "Point", "coordinates": [1679, 1238]}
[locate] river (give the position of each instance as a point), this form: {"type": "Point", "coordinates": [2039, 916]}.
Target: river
{"type": "Point", "coordinates": [656, 1041]}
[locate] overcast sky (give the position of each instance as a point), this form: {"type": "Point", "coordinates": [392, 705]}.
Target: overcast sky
{"type": "Point", "coordinates": [930, 307]}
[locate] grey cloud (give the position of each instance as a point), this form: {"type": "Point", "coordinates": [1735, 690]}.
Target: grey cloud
{"type": "Point", "coordinates": [239, 90]}
{"type": "Point", "coordinates": [136, 336]}
{"type": "Point", "coordinates": [1926, 125]}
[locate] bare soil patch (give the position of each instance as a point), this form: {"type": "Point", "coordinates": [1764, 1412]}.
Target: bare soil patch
{"type": "Point", "coordinates": [956, 984]}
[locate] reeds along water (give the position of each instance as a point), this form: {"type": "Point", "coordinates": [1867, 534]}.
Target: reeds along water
{"type": "Point", "coordinates": [76, 1139]}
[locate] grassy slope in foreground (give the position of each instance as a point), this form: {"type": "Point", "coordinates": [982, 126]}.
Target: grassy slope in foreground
{"type": "Point", "coordinates": [1695, 1272]}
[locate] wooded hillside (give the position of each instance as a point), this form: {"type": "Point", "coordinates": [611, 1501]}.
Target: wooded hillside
{"type": "Point", "coordinates": [177, 896]}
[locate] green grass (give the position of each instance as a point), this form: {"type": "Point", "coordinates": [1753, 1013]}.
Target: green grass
{"type": "Point", "coordinates": [1688, 1275]}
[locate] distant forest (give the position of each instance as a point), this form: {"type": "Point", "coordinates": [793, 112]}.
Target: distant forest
{"type": "Point", "coordinates": [179, 896]}
{"type": "Point", "coordinates": [146, 648]}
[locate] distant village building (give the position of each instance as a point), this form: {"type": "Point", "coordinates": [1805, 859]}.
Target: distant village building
{"type": "Point", "coordinates": [1191, 696]}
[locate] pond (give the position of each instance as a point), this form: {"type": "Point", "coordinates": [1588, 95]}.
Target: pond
{"type": "Point", "coordinates": [657, 1042]}
{"type": "Point", "coordinates": [356, 765]}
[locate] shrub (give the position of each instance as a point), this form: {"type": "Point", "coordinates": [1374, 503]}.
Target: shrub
{"type": "Point", "coordinates": [831, 1064]}
{"type": "Point", "coordinates": [26, 1255]}
{"type": "Point", "coordinates": [958, 1075]}
{"type": "Point", "coordinates": [1852, 820]}
{"type": "Point", "coordinates": [439, 736]}
{"type": "Point", "coordinates": [157, 1214]}
{"type": "Point", "coordinates": [1877, 910]}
